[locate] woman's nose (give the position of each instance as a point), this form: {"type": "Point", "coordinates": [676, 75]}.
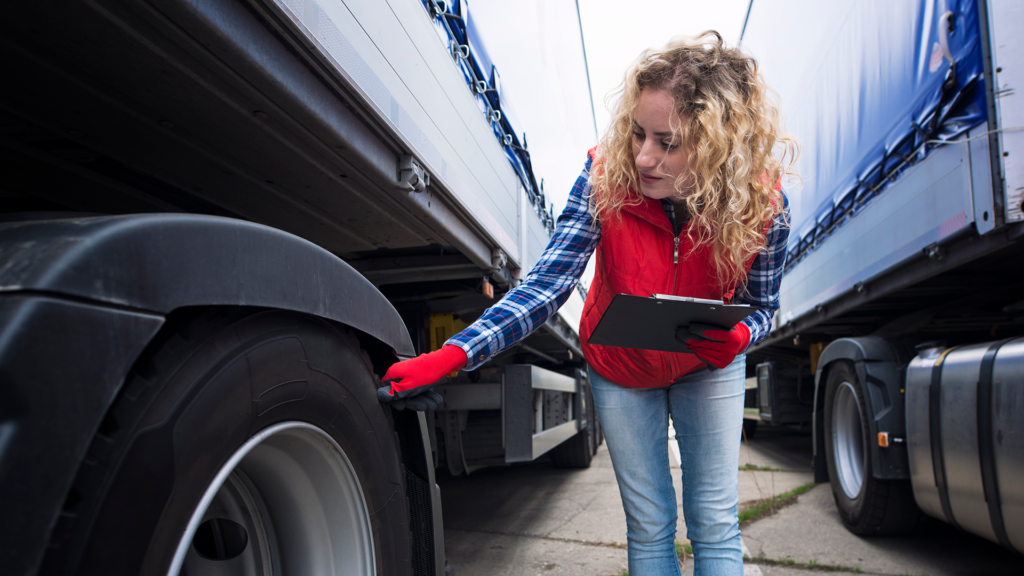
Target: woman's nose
{"type": "Point", "coordinates": [646, 158]}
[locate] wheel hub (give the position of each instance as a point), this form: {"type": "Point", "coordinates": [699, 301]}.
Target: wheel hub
{"type": "Point", "coordinates": [287, 502]}
{"type": "Point", "coordinates": [848, 440]}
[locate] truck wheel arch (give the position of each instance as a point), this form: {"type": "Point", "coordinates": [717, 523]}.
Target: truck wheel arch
{"type": "Point", "coordinates": [162, 262]}
{"type": "Point", "coordinates": [878, 363]}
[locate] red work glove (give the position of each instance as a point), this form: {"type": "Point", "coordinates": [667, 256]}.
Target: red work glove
{"type": "Point", "coordinates": [721, 346]}
{"type": "Point", "coordinates": [407, 383]}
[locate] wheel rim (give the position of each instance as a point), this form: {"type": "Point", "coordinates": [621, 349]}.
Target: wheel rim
{"type": "Point", "coordinates": [848, 440]}
{"type": "Point", "coordinates": [287, 502]}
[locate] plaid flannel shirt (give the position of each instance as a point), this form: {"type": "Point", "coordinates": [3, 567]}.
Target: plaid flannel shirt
{"type": "Point", "coordinates": [530, 304]}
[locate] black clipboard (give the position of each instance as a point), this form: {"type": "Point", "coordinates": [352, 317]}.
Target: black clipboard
{"type": "Point", "coordinates": [653, 323]}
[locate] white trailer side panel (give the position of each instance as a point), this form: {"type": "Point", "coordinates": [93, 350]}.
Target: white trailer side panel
{"type": "Point", "coordinates": [406, 75]}
{"type": "Point", "coordinates": [1006, 19]}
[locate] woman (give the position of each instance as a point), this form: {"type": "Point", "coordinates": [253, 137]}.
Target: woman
{"type": "Point", "coordinates": [678, 199]}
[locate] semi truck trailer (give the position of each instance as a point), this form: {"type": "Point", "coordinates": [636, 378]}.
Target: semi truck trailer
{"type": "Point", "coordinates": [221, 222]}
{"type": "Point", "coordinates": [900, 334]}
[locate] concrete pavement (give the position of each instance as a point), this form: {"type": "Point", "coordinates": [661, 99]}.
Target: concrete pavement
{"type": "Point", "coordinates": [537, 520]}
{"type": "Point", "coordinates": [810, 531]}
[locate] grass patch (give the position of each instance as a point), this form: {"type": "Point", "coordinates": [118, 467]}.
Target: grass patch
{"type": "Point", "coordinates": [683, 549]}
{"type": "Point", "coordinates": [770, 505]}
{"type": "Point", "coordinates": [812, 565]}
{"type": "Point", "coordinates": [756, 468]}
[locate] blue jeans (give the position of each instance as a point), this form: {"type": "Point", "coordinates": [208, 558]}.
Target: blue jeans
{"type": "Point", "coordinates": [707, 414]}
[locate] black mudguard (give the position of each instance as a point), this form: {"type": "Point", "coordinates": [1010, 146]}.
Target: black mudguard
{"type": "Point", "coordinates": [879, 364]}
{"type": "Point", "coordinates": [81, 298]}
{"type": "Point", "coordinates": [161, 262]}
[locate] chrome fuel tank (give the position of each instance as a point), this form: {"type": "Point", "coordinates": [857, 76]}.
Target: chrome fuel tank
{"type": "Point", "coordinates": [965, 437]}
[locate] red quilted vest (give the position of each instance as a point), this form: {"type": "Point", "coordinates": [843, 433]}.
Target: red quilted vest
{"type": "Point", "coordinates": [639, 254]}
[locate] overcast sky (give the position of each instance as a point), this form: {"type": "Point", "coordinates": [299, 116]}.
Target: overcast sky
{"type": "Point", "coordinates": [615, 32]}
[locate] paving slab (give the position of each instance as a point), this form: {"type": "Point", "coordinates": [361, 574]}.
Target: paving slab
{"type": "Point", "coordinates": [757, 486]}
{"type": "Point", "coordinates": [783, 448]}
{"type": "Point", "coordinates": [811, 531]}
{"type": "Point", "coordinates": [535, 519]}
{"type": "Point", "coordinates": [757, 570]}
{"type": "Point", "coordinates": [538, 500]}
{"type": "Point", "coordinates": [478, 553]}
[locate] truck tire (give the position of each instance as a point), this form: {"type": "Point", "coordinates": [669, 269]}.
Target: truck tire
{"type": "Point", "coordinates": [749, 428]}
{"type": "Point", "coordinates": [576, 452]}
{"type": "Point", "coordinates": [867, 505]}
{"type": "Point", "coordinates": [255, 434]}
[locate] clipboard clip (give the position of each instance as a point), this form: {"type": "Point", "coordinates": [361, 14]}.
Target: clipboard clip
{"type": "Point", "coordinates": [696, 331]}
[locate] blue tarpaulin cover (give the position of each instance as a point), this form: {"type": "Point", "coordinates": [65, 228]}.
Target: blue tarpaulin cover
{"type": "Point", "coordinates": [459, 32]}
{"type": "Point", "coordinates": [864, 86]}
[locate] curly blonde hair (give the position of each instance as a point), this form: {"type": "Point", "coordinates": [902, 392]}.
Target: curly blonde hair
{"type": "Point", "coordinates": [735, 145]}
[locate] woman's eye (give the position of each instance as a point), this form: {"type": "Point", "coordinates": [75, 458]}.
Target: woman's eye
{"type": "Point", "coordinates": [669, 146]}
{"type": "Point", "coordinates": [638, 135]}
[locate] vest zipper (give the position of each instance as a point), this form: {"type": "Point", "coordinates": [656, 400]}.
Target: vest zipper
{"type": "Point", "coordinates": [675, 263]}
{"type": "Point", "coordinates": [673, 364]}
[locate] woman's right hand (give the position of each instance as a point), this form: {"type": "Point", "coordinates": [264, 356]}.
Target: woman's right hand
{"type": "Point", "coordinates": [407, 383]}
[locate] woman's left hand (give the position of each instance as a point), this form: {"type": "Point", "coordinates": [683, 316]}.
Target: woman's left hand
{"type": "Point", "coordinates": [721, 346]}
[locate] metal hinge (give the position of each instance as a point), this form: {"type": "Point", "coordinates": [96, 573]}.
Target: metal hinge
{"type": "Point", "coordinates": [412, 176]}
